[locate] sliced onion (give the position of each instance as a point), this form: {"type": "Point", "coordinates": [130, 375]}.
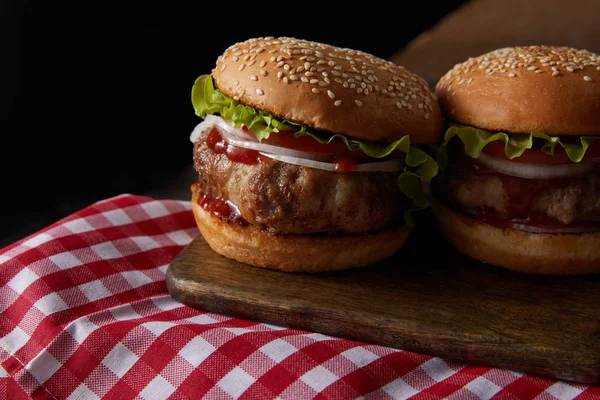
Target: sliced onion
{"type": "Point", "coordinates": [536, 171]}
{"type": "Point", "coordinates": [201, 127]}
{"type": "Point", "coordinates": [565, 229]}
{"type": "Point", "coordinates": [393, 165]}
{"type": "Point", "coordinates": [235, 136]}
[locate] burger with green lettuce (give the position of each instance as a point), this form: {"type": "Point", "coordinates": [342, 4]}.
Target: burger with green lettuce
{"type": "Point", "coordinates": [520, 186]}
{"type": "Point", "coordinates": [308, 154]}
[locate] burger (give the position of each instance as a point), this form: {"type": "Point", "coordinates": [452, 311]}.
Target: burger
{"type": "Point", "coordinates": [308, 154]}
{"type": "Point", "coordinates": [521, 188]}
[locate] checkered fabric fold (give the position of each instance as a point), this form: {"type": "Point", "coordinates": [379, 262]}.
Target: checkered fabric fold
{"type": "Point", "coordinates": [85, 314]}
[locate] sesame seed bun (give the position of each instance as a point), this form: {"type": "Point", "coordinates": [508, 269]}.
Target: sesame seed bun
{"type": "Point", "coordinates": [330, 88]}
{"type": "Point", "coordinates": [555, 90]}
{"type": "Point", "coordinates": [535, 253]}
{"type": "Point", "coordinates": [295, 253]}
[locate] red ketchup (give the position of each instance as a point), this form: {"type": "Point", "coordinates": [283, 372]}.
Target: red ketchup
{"type": "Point", "coordinates": [344, 163]}
{"type": "Point", "coordinates": [222, 209]}
{"type": "Point", "coordinates": [216, 143]}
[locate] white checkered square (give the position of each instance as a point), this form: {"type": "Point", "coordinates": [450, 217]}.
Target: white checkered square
{"type": "Point", "coordinates": [50, 304]}
{"type": "Point", "coordinates": [166, 303]}
{"type": "Point", "coordinates": [65, 260]}
{"type": "Point", "coordinates": [196, 351]}
{"type": "Point", "coordinates": [117, 217]}
{"type": "Point", "coordinates": [145, 243]}
{"type": "Point", "coordinates": [136, 278]}
{"type": "Point", "coordinates": [80, 329]}
{"type": "Point", "coordinates": [43, 366]}
{"type": "Point", "coordinates": [318, 337]}
{"type": "Point", "coordinates": [124, 313]}
{"type": "Point", "coordinates": [319, 378]}
{"type": "Point", "coordinates": [158, 327]}
{"type": "Point", "coordinates": [179, 237]}
{"type": "Point", "coordinates": [78, 226]}
{"type": "Point", "coordinates": [278, 350]}
{"type": "Point", "coordinates": [437, 369]}
{"type": "Point", "coordinates": [4, 259]}
{"type": "Point", "coordinates": [82, 393]}
{"type": "Point", "coordinates": [106, 251]}
{"type": "Point", "coordinates": [94, 290]}
{"type": "Point", "coordinates": [120, 360]}
{"type": "Point", "coordinates": [22, 280]}
{"type": "Point", "coordinates": [16, 339]}
{"type": "Point", "coordinates": [202, 319]}
{"type": "Point", "coordinates": [159, 388]}
{"type": "Point", "coordinates": [483, 388]}
{"type": "Point", "coordinates": [236, 382]}
{"type": "Point", "coordinates": [564, 391]}
{"type": "Point", "coordinates": [155, 209]}
{"type": "Point", "coordinates": [3, 373]}
{"type": "Point", "coordinates": [399, 389]}
{"type": "Point", "coordinates": [360, 356]}
{"type": "Point", "coordinates": [38, 240]}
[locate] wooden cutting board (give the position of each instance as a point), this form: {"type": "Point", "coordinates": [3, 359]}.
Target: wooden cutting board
{"type": "Point", "coordinates": [428, 298]}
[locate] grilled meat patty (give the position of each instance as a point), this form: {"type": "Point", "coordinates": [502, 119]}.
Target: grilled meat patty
{"type": "Point", "coordinates": [566, 200]}
{"type": "Point", "coordinates": [289, 199]}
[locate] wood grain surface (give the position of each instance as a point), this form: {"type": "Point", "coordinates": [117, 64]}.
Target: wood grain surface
{"type": "Point", "coordinates": [427, 298]}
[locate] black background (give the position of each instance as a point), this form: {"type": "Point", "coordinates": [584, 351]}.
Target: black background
{"type": "Point", "coordinates": [95, 100]}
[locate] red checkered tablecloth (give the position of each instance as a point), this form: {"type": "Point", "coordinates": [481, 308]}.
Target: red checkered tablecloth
{"type": "Point", "coordinates": [85, 314]}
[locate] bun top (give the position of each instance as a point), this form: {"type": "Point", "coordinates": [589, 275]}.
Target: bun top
{"type": "Point", "coordinates": [555, 90]}
{"type": "Point", "coordinates": [330, 88]}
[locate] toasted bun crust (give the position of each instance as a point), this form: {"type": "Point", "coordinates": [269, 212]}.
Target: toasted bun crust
{"type": "Point", "coordinates": [555, 90]}
{"type": "Point", "coordinates": [295, 253]}
{"type": "Point", "coordinates": [330, 88]}
{"type": "Point", "coordinates": [535, 253]}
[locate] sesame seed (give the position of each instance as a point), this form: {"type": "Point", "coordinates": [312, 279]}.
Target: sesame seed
{"type": "Point", "coordinates": [223, 67]}
{"type": "Point", "coordinates": [399, 105]}
{"type": "Point", "coordinates": [236, 59]}
{"type": "Point", "coordinates": [532, 68]}
{"type": "Point", "coordinates": [315, 90]}
{"type": "Point", "coordinates": [358, 103]}
{"type": "Point", "coordinates": [420, 106]}
{"type": "Point", "coordinates": [555, 73]}
{"type": "Point", "coordinates": [259, 92]}
{"type": "Point", "coordinates": [337, 103]}
{"type": "Point", "coordinates": [280, 64]}
{"type": "Point", "coordinates": [285, 79]}
{"type": "Point", "coordinates": [570, 69]}
{"type": "Point", "coordinates": [241, 67]}
{"type": "Point", "coordinates": [426, 116]}
{"type": "Point", "coordinates": [539, 71]}
{"type": "Point", "coordinates": [251, 62]}
{"type": "Point", "coordinates": [512, 74]}
{"type": "Point", "coordinates": [293, 77]}
{"type": "Point", "coordinates": [253, 77]}
{"type": "Point", "coordinates": [300, 69]}
{"type": "Point", "coordinates": [279, 74]}
{"type": "Point", "coordinates": [331, 94]}
{"type": "Point", "coordinates": [324, 73]}
{"type": "Point", "coordinates": [309, 73]}
{"type": "Point", "coordinates": [359, 90]}
{"type": "Point", "coordinates": [279, 58]}
{"type": "Point", "coordinates": [286, 67]}
{"type": "Point", "coordinates": [587, 78]}
{"type": "Point", "coordinates": [263, 72]}
{"type": "Point", "coordinates": [323, 83]}
{"type": "Point", "coordinates": [235, 83]}
{"type": "Point", "coordinates": [263, 63]}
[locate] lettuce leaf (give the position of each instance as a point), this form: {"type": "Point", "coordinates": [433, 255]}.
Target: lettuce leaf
{"type": "Point", "coordinates": [420, 165]}
{"type": "Point", "coordinates": [475, 140]}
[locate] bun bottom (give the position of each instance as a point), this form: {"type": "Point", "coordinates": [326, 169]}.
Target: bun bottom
{"type": "Point", "coordinates": [534, 253]}
{"type": "Point", "coordinates": [296, 253]}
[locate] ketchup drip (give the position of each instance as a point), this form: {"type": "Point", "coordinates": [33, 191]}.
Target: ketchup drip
{"type": "Point", "coordinates": [216, 143]}
{"type": "Point", "coordinates": [222, 209]}
{"type": "Point", "coordinates": [344, 163]}
{"type": "Point", "coordinates": [518, 192]}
